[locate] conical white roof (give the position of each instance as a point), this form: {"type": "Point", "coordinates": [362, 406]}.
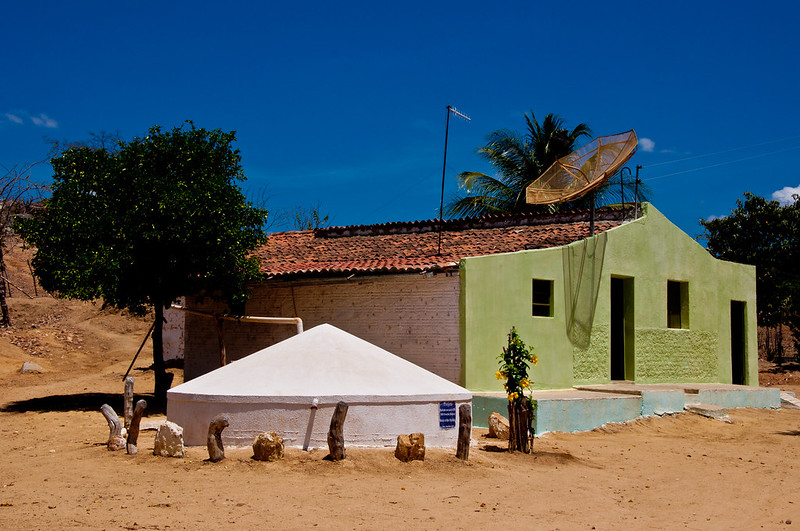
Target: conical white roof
{"type": "Point", "coordinates": [324, 363]}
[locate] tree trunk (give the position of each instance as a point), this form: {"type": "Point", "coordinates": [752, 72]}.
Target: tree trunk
{"type": "Point", "coordinates": [336, 432]}
{"type": "Point", "coordinates": [464, 431]}
{"type": "Point", "coordinates": [5, 318]}
{"type": "Point", "coordinates": [163, 378]}
{"type": "Point", "coordinates": [133, 429]}
{"type": "Point", "coordinates": [519, 421]}
{"type": "Point", "coordinates": [216, 450]}
{"type": "Point", "coordinates": [127, 402]}
{"type": "Point", "coordinates": [115, 439]}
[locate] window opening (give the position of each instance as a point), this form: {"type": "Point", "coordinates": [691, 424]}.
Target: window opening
{"type": "Point", "coordinates": [677, 304]}
{"type": "Point", "coordinates": [542, 298]}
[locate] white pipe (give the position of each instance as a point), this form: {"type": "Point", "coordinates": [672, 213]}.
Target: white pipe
{"type": "Point", "coordinates": [247, 318]}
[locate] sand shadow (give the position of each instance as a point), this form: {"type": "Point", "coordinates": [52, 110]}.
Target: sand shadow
{"type": "Point", "coordinates": [493, 448]}
{"type": "Point", "coordinates": [80, 402]}
{"type": "Point", "coordinates": [793, 433]}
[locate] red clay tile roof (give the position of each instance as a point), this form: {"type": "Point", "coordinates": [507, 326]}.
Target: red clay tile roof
{"type": "Point", "coordinates": [414, 246]}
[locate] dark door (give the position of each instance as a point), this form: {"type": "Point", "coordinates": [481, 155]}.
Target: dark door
{"type": "Point", "coordinates": [617, 329]}
{"type": "Point", "coordinates": [738, 345]}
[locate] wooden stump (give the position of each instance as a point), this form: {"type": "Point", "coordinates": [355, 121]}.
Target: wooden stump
{"type": "Point", "coordinates": [133, 429]}
{"type": "Point", "coordinates": [115, 439]}
{"type": "Point", "coordinates": [464, 431]}
{"type": "Point", "coordinates": [127, 408]}
{"type": "Point", "coordinates": [519, 420]}
{"type": "Point", "coordinates": [336, 433]}
{"type": "Point", "coordinates": [216, 452]}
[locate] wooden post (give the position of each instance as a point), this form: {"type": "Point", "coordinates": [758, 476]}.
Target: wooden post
{"type": "Point", "coordinates": [336, 433]}
{"type": "Point", "coordinates": [127, 408]}
{"type": "Point", "coordinates": [115, 440]}
{"type": "Point", "coordinates": [223, 356]}
{"type": "Point", "coordinates": [464, 431]}
{"type": "Point", "coordinates": [133, 428]}
{"type": "Point", "coordinates": [216, 452]}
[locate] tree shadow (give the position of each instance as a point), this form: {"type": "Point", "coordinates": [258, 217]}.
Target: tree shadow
{"type": "Point", "coordinates": [81, 402]}
{"type": "Point", "coordinates": [783, 368]}
{"type": "Point", "coordinates": [793, 433]}
{"type": "Point", "coordinates": [493, 448]}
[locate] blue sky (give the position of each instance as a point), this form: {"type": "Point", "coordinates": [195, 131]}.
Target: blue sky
{"type": "Point", "coordinates": [342, 105]}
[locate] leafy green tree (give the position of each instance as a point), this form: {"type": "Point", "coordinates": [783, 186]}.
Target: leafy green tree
{"type": "Point", "coordinates": [147, 221]}
{"type": "Point", "coordinates": [767, 235]}
{"type": "Point", "coordinates": [519, 160]}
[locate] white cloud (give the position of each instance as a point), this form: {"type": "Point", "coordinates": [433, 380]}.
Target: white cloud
{"type": "Point", "coordinates": [784, 195]}
{"type": "Point", "coordinates": [13, 118]}
{"type": "Point", "coordinates": [712, 218]}
{"type": "Point", "coordinates": [42, 120]}
{"type": "Point", "coordinates": [647, 145]}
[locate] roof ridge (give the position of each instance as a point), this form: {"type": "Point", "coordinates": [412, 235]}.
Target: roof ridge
{"type": "Point", "coordinates": [493, 221]}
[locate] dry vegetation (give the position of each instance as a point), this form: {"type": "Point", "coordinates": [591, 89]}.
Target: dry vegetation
{"type": "Point", "coordinates": [55, 473]}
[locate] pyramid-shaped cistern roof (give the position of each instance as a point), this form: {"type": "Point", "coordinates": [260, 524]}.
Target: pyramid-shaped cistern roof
{"type": "Point", "coordinates": [324, 363]}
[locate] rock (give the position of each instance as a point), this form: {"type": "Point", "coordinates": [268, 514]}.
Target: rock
{"type": "Point", "coordinates": [30, 367]}
{"type": "Point", "coordinates": [498, 426]}
{"type": "Point", "coordinates": [169, 440]}
{"type": "Point", "coordinates": [268, 446]}
{"type": "Point", "coordinates": [410, 447]}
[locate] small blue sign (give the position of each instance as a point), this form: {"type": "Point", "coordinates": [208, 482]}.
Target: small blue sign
{"type": "Point", "coordinates": [447, 415]}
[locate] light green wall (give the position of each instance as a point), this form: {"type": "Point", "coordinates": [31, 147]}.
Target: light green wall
{"type": "Point", "coordinates": [496, 294]}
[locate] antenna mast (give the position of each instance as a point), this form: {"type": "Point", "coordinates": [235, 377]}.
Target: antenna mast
{"type": "Point", "coordinates": [444, 166]}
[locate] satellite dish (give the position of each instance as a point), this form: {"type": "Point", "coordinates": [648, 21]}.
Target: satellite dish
{"type": "Point", "coordinates": [583, 170]}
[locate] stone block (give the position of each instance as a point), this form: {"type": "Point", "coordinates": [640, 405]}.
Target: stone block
{"type": "Point", "coordinates": [268, 446]}
{"type": "Point", "coordinates": [410, 447]}
{"type": "Point", "coordinates": [169, 440]}
{"type": "Point", "coordinates": [31, 367]}
{"type": "Point", "coordinates": [498, 426]}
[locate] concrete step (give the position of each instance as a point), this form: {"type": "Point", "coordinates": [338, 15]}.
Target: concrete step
{"type": "Point", "coordinates": [709, 410]}
{"type": "Point", "coordinates": [788, 400]}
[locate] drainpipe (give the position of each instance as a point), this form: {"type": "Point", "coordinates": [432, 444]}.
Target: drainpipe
{"type": "Point", "coordinates": [298, 322]}
{"type": "Point", "coordinates": [269, 320]}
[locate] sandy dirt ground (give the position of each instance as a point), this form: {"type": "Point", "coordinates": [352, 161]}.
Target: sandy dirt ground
{"type": "Point", "coordinates": [681, 471]}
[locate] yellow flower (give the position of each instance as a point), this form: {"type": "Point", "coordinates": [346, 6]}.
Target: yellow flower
{"type": "Point", "coordinates": [525, 383]}
{"type": "Point", "coordinates": [512, 397]}
{"type": "Point", "coordinates": [534, 360]}
{"type": "Point", "coordinates": [499, 374]}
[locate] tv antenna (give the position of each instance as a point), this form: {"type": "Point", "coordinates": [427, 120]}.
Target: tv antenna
{"type": "Point", "coordinates": [582, 171]}
{"type": "Point", "coordinates": [450, 110]}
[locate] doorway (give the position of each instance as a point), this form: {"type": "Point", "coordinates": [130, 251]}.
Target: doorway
{"type": "Point", "coordinates": [738, 342]}
{"type": "Point", "coordinates": [622, 329]}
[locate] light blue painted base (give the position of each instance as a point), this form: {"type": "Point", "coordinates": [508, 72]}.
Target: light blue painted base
{"type": "Point", "coordinates": [586, 413]}
{"type": "Point", "coordinates": [576, 414]}
{"type": "Point", "coordinates": [748, 397]}
{"type": "Point", "coordinates": [662, 402]}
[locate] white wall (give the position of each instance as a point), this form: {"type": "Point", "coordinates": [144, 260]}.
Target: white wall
{"type": "Point", "coordinates": [413, 316]}
{"type": "Point", "coordinates": [172, 331]}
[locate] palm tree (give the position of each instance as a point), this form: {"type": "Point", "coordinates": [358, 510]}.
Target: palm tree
{"type": "Point", "coordinates": [519, 160]}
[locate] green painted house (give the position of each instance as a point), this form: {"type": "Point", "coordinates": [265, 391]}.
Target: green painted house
{"type": "Point", "coordinates": [639, 301]}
